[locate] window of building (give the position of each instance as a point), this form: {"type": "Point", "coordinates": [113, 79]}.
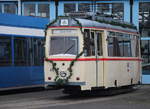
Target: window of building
{"type": "Point", "coordinates": [145, 51]}
{"type": "Point", "coordinates": [10, 8]}
{"type": "Point", "coordinates": [69, 7]}
{"type": "Point", "coordinates": [144, 19]}
{"type": "Point", "coordinates": [114, 10]}
{"type": "Point", "coordinates": [84, 7]}
{"type": "Point", "coordinates": [43, 10]}
{"type": "Point", "coordinates": [29, 10]}
{"type": "Point", "coordinates": [103, 8]}
{"type": "Point", "coordinates": [118, 11]}
{"type": "Point", "coordinates": [144, 11]}
{"type": "Point", "coordinates": [80, 7]}
{"type": "Point", "coordinates": [144, 27]}
{"type": "Point", "coordinates": [5, 51]}
{"type": "Point", "coordinates": [36, 9]}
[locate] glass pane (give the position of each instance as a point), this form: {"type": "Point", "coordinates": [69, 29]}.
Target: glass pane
{"type": "Point", "coordinates": [20, 51]}
{"type": "Point", "coordinates": [0, 8]}
{"type": "Point", "coordinates": [68, 8]}
{"type": "Point", "coordinates": [127, 45]}
{"type": "Point", "coordinates": [115, 10]}
{"type": "Point", "coordinates": [99, 44]}
{"type": "Point", "coordinates": [43, 10]}
{"type": "Point", "coordinates": [110, 46]}
{"type": "Point", "coordinates": [5, 51]}
{"type": "Point", "coordinates": [38, 51]}
{"type": "Point", "coordinates": [84, 7]}
{"type": "Point", "coordinates": [103, 8]}
{"type": "Point", "coordinates": [10, 8]}
{"type": "Point", "coordinates": [118, 11]}
{"type": "Point", "coordinates": [145, 52]}
{"type": "Point", "coordinates": [29, 10]}
{"type": "Point", "coordinates": [63, 45]}
{"type": "Point", "coordinates": [144, 19]}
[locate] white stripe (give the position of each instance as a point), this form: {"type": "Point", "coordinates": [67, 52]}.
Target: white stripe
{"type": "Point", "coordinates": [21, 31]}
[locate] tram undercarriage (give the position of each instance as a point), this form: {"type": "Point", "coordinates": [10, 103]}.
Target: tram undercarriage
{"type": "Point", "coordinates": [76, 90]}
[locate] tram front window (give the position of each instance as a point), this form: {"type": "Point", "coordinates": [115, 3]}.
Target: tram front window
{"type": "Point", "coordinates": [64, 46]}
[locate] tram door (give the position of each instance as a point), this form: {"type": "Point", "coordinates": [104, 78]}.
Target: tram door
{"type": "Point", "coordinates": [93, 50]}
{"type": "Point", "coordinates": [98, 56]}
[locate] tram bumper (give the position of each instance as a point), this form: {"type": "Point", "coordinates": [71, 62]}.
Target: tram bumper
{"type": "Point", "coordinates": [68, 83]}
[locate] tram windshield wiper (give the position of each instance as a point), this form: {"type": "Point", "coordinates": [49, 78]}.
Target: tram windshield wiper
{"type": "Point", "coordinates": [69, 49]}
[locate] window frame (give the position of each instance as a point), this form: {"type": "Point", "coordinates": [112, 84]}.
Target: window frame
{"type": "Point", "coordinates": [36, 8]}
{"type": "Point", "coordinates": [8, 60]}
{"type": "Point", "coordinates": [123, 38]}
{"type": "Point", "coordinates": [77, 46]}
{"type": "Point", "coordinates": [9, 3]}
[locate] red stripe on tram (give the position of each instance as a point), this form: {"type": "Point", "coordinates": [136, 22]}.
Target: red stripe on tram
{"type": "Point", "coordinates": [64, 27]}
{"type": "Point", "coordinates": [94, 59]}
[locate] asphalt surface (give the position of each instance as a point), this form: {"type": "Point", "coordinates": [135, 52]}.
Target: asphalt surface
{"type": "Point", "coordinates": [55, 99]}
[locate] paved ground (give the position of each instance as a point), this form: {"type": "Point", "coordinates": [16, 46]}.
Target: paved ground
{"type": "Point", "coordinates": [55, 99]}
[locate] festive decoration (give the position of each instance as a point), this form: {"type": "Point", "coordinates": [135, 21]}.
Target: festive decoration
{"type": "Point", "coordinates": [116, 23]}
{"type": "Point", "coordinates": [60, 81]}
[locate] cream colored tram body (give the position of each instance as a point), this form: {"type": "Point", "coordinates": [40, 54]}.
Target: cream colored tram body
{"type": "Point", "coordinates": [82, 54]}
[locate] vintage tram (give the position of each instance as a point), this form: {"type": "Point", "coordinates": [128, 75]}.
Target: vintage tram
{"type": "Point", "coordinates": [82, 54]}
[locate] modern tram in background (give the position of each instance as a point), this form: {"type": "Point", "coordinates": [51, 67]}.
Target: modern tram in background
{"type": "Point", "coordinates": [82, 54]}
{"type": "Point", "coordinates": [21, 51]}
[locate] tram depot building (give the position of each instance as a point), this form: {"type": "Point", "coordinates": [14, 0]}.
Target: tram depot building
{"type": "Point", "coordinates": [133, 11]}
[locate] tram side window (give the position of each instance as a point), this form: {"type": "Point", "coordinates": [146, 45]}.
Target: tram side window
{"type": "Point", "coordinates": [137, 52]}
{"type": "Point", "coordinates": [124, 44]}
{"type": "Point", "coordinates": [87, 51]}
{"type": "Point", "coordinates": [92, 46]}
{"type": "Point", "coordinates": [127, 46]}
{"type": "Point", "coordinates": [113, 46]}
{"type": "Point", "coordinates": [119, 44]}
{"type": "Point", "coordinates": [38, 51]}
{"type": "Point", "coordinates": [99, 44]}
{"type": "Point", "coordinates": [5, 51]}
{"type": "Point", "coordinates": [20, 51]}
{"type": "Point", "coordinates": [89, 47]}
{"type": "Point", "coordinates": [135, 46]}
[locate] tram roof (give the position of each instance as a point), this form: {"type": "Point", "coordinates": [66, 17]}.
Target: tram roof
{"type": "Point", "coordinates": [23, 21]}
{"type": "Point", "coordinates": [89, 24]}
